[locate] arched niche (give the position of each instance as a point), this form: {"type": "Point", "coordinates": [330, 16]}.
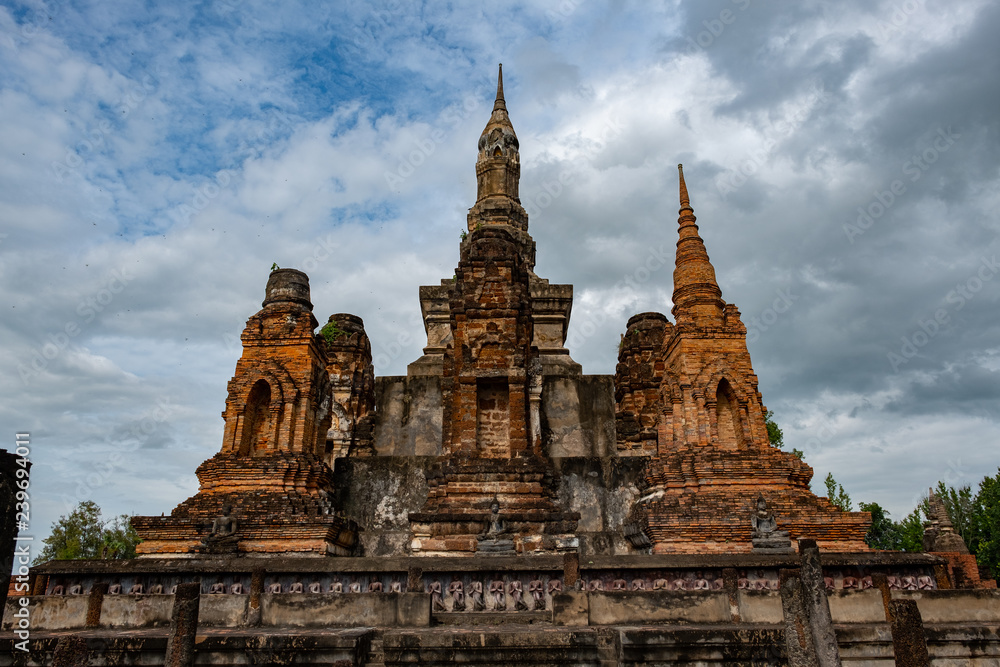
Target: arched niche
{"type": "Point", "coordinates": [256, 420]}
{"type": "Point", "coordinates": [729, 425]}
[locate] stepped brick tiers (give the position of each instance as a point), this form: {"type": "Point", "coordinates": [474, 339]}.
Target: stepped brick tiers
{"type": "Point", "coordinates": [497, 505]}
{"type": "Point", "coordinates": [269, 490]}
{"type": "Point", "coordinates": [491, 376]}
{"type": "Point", "coordinates": [687, 398]}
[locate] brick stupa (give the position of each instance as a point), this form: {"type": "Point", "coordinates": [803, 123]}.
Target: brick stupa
{"type": "Point", "coordinates": [687, 397]}
{"type": "Point", "coordinates": [491, 367]}
{"type": "Point", "coordinates": [270, 488]}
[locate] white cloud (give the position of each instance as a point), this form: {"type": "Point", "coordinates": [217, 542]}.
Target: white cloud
{"type": "Point", "coordinates": [265, 134]}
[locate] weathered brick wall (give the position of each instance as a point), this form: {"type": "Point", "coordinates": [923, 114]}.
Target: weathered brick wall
{"type": "Point", "coordinates": [352, 385]}
{"type": "Point", "coordinates": [272, 470]}
{"type": "Point", "coordinates": [638, 377]}
{"type": "Point", "coordinates": [492, 330]}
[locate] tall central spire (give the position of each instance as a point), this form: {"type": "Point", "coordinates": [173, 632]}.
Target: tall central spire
{"type": "Point", "coordinates": [500, 102]}
{"type": "Point", "coordinates": [697, 297]}
{"type": "Point", "coordinates": [498, 170]}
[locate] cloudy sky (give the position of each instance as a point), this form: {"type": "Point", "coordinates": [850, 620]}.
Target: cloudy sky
{"type": "Point", "coordinates": [156, 158]}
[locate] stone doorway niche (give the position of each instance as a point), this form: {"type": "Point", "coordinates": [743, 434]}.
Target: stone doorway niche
{"type": "Point", "coordinates": [256, 420]}
{"type": "Point", "coordinates": [493, 417]}
{"type": "Point", "coordinates": [727, 417]}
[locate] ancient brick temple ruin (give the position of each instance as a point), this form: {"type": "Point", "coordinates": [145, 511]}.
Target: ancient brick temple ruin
{"type": "Point", "coordinates": [496, 499]}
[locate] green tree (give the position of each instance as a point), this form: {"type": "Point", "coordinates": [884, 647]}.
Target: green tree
{"type": "Point", "coordinates": [119, 538]}
{"type": "Point", "coordinates": [836, 494]}
{"type": "Point", "coordinates": [987, 524]}
{"type": "Point", "coordinates": [911, 529]}
{"type": "Point", "coordinates": [884, 533]}
{"type": "Point", "coordinates": [83, 534]}
{"type": "Point", "coordinates": [775, 435]}
{"type": "Point", "coordinates": [774, 432]}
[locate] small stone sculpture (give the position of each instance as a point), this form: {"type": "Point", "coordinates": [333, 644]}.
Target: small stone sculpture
{"type": "Point", "coordinates": [516, 593]}
{"type": "Point", "coordinates": [437, 602]}
{"type": "Point", "coordinates": [765, 536]}
{"type": "Point", "coordinates": [476, 594]}
{"type": "Point", "coordinates": [456, 589]}
{"type": "Point", "coordinates": [496, 590]}
{"type": "Point", "coordinates": [223, 536]}
{"type": "Point", "coordinates": [537, 591]}
{"type": "Point", "coordinates": [493, 539]}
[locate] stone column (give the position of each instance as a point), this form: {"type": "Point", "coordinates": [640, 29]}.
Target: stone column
{"type": "Point", "coordinates": [798, 636]}
{"type": "Point", "coordinates": [415, 580]}
{"type": "Point", "coordinates": [909, 646]}
{"type": "Point", "coordinates": [571, 569]}
{"type": "Point", "coordinates": [941, 576]}
{"type": "Point", "coordinates": [730, 582]}
{"type": "Point", "coordinates": [535, 407]}
{"type": "Point", "coordinates": [814, 592]}
{"type": "Point", "coordinates": [256, 589]}
{"type": "Point", "coordinates": [97, 592]}
{"type": "Point", "coordinates": [881, 582]}
{"type": "Point", "coordinates": [39, 584]}
{"type": "Point", "coordinates": [183, 626]}
{"type": "Point", "coordinates": [8, 526]}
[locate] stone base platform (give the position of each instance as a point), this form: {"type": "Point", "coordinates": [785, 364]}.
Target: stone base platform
{"type": "Point", "coordinates": [602, 611]}
{"type": "Point", "coordinates": [460, 493]}
{"type": "Point", "coordinates": [280, 504]}
{"type": "Point", "coordinates": [535, 645]}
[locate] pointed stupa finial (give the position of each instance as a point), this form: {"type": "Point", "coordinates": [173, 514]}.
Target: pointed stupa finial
{"type": "Point", "coordinates": [685, 200]}
{"type": "Point", "coordinates": [697, 297]}
{"type": "Point", "coordinates": [500, 102]}
{"type": "Point", "coordinates": [498, 168]}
